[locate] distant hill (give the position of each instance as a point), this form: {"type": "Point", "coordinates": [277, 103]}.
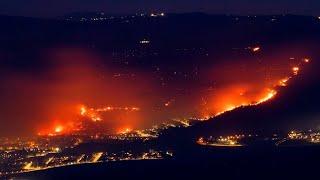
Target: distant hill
{"type": "Point", "coordinates": [175, 30]}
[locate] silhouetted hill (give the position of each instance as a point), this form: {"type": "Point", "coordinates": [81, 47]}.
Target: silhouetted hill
{"type": "Point", "coordinates": [295, 107]}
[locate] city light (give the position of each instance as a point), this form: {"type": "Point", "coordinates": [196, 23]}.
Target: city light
{"type": "Point", "coordinates": [96, 157]}
{"type": "Point", "coordinates": [228, 141]}
{"type": "Point", "coordinates": [144, 42]}
{"type": "Point", "coordinates": [256, 49]}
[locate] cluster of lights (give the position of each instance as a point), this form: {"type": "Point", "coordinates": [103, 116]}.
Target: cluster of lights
{"type": "Point", "coordinates": [313, 137]}
{"type": "Point", "coordinates": [96, 157]}
{"type": "Point", "coordinates": [228, 141]}
{"type": "Point", "coordinates": [233, 140]}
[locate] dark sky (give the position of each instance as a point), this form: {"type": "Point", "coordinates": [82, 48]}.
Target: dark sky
{"type": "Point", "coordinates": [50, 8]}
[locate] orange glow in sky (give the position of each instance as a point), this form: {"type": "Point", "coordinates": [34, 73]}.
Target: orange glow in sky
{"type": "Point", "coordinates": [226, 99]}
{"type": "Point", "coordinates": [124, 108]}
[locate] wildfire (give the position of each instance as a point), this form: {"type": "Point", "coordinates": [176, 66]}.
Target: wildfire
{"type": "Point", "coordinates": [94, 114]}
{"type": "Point", "coordinates": [90, 114]}
{"type": "Point", "coordinates": [239, 101]}
{"type": "Point", "coordinates": [269, 96]}
{"type": "Point", "coordinates": [111, 108]}
{"type": "Point", "coordinates": [230, 107]}
{"type": "Point", "coordinates": [124, 131]}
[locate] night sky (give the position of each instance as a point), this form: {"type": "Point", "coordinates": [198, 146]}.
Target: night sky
{"type": "Point", "coordinates": [52, 8]}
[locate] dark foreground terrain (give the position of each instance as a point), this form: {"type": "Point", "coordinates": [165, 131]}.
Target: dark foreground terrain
{"type": "Point", "coordinates": [204, 163]}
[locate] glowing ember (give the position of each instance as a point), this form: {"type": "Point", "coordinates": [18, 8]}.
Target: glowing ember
{"type": "Point", "coordinates": [283, 82]}
{"type": "Point", "coordinates": [58, 129]}
{"type": "Point", "coordinates": [295, 70]}
{"type": "Point", "coordinates": [83, 111]}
